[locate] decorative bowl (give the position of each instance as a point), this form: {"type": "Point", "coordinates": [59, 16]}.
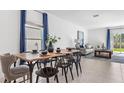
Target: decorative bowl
{"type": "Point", "coordinates": [58, 50]}
{"type": "Point", "coordinates": [34, 51]}
{"type": "Point", "coordinates": [50, 49]}
{"type": "Point", "coordinates": [44, 52]}
{"type": "Point", "coordinates": [69, 49]}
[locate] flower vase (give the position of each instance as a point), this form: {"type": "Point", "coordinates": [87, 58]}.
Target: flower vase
{"type": "Point", "coordinates": [50, 47]}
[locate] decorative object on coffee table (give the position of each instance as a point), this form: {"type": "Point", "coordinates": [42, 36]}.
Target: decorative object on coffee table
{"type": "Point", "coordinates": [98, 47]}
{"type": "Point", "coordinates": [103, 46]}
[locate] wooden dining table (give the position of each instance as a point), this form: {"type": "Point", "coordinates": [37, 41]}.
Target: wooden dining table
{"type": "Point", "coordinates": [33, 58]}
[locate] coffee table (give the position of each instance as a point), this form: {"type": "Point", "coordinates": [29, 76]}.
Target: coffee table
{"type": "Point", "coordinates": [103, 53]}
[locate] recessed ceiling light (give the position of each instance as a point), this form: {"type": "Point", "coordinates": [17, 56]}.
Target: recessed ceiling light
{"type": "Point", "coordinates": [96, 15]}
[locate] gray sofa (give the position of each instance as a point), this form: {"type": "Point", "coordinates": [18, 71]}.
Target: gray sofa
{"type": "Point", "coordinates": [88, 49]}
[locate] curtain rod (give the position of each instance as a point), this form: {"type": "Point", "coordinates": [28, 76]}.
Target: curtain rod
{"type": "Point", "coordinates": [114, 28]}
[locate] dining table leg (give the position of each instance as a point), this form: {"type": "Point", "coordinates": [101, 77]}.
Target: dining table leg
{"type": "Point", "coordinates": [31, 66]}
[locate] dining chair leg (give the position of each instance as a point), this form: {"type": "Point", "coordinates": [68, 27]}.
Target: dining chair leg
{"type": "Point", "coordinates": [14, 81]}
{"type": "Point", "coordinates": [54, 78]}
{"type": "Point", "coordinates": [55, 64]}
{"type": "Point", "coordinates": [5, 81]}
{"type": "Point", "coordinates": [80, 67]}
{"type": "Point", "coordinates": [31, 66]}
{"type": "Point", "coordinates": [15, 64]}
{"type": "Point", "coordinates": [67, 70]}
{"type": "Point", "coordinates": [37, 78]}
{"type": "Point", "coordinates": [47, 80]}
{"type": "Point", "coordinates": [51, 64]}
{"type": "Point", "coordinates": [71, 73]}
{"type": "Point", "coordinates": [28, 76]}
{"type": "Point", "coordinates": [57, 80]}
{"type": "Point", "coordinates": [65, 75]}
{"type": "Point", "coordinates": [38, 65]}
{"type": "Point", "coordinates": [45, 65]}
{"type": "Point", "coordinates": [24, 79]}
{"type": "Point", "coordinates": [62, 71]}
{"type": "Point", "coordinates": [72, 66]}
{"type": "Point", "coordinates": [9, 82]}
{"type": "Point", "coordinates": [76, 65]}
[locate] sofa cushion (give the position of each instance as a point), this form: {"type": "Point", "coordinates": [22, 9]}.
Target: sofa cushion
{"type": "Point", "coordinates": [88, 46]}
{"type": "Point", "coordinates": [89, 51]}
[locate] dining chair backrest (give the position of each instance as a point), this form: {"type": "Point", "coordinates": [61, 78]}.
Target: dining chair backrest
{"type": "Point", "coordinates": [6, 61]}
{"type": "Point", "coordinates": [77, 56]}
{"type": "Point", "coordinates": [69, 58]}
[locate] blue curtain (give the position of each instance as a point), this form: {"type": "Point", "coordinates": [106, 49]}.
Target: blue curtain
{"type": "Point", "coordinates": [22, 33]}
{"type": "Point", "coordinates": [45, 30]}
{"type": "Point", "coordinates": [108, 39]}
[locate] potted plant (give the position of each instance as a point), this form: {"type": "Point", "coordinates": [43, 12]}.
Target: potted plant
{"type": "Point", "coordinates": [51, 39]}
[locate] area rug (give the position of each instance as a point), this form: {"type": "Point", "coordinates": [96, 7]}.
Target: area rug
{"type": "Point", "coordinates": [91, 56]}
{"type": "Point", "coordinates": [118, 57]}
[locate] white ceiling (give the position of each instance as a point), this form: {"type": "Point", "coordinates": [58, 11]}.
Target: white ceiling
{"type": "Point", "coordinates": [107, 18]}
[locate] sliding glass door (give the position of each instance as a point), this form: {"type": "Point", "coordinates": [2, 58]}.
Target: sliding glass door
{"type": "Point", "coordinates": [118, 43]}
{"type": "Point", "coordinates": [122, 41]}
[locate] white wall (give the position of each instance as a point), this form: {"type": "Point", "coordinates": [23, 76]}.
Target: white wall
{"type": "Point", "coordinates": [64, 29]}
{"type": "Point", "coordinates": [9, 32]}
{"type": "Point", "coordinates": [97, 37]}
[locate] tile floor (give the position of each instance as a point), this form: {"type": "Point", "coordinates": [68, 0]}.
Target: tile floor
{"type": "Point", "coordinates": [94, 71]}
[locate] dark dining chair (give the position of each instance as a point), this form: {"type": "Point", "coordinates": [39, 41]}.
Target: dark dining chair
{"type": "Point", "coordinates": [46, 61]}
{"type": "Point", "coordinates": [65, 63]}
{"type": "Point", "coordinates": [77, 60]}
{"type": "Point", "coordinates": [47, 71]}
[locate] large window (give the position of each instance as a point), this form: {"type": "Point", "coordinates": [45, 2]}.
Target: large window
{"type": "Point", "coordinates": [34, 30]}
{"type": "Point", "coordinates": [33, 38]}
{"type": "Point", "coordinates": [119, 40]}
{"type": "Point", "coordinates": [118, 43]}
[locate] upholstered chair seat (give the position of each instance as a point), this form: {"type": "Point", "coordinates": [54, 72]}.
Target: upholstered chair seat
{"type": "Point", "coordinates": [19, 70]}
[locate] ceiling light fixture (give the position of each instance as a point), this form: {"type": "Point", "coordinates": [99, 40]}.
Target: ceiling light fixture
{"type": "Point", "coordinates": [96, 15]}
